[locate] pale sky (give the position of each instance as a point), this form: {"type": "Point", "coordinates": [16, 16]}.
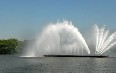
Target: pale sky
{"type": "Point", "coordinates": [23, 19]}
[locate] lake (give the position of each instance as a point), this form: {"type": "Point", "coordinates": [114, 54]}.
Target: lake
{"type": "Point", "coordinates": [15, 64]}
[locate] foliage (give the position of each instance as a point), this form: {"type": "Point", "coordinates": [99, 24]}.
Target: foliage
{"type": "Point", "coordinates": [9, 46]}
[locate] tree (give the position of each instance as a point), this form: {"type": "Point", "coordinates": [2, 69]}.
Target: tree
{"type": "Point", "coordinates": [9, 46]}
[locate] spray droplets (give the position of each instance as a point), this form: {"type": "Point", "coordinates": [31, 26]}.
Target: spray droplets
{"type": "Point", "coordinates": [65, 39]}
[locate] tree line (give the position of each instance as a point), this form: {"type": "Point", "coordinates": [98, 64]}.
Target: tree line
{"type": "Point", "coordinates": [10, 46]}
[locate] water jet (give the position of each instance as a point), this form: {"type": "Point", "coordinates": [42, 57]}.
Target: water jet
{"type": "Point", "coordinates": [63, 39]}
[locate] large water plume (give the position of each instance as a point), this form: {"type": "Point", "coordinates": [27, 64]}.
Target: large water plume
{"type": "Point", "coordinates": [59, 38]}
{"type": "Point", "coordinates": [63, 38]}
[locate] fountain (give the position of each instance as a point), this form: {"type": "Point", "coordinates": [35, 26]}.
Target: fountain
{"type": "Point", "coordinates": [103, 41]}
{"type": "Point", "coordinates": [63, 39]}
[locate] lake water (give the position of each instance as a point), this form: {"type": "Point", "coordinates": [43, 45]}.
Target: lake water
{"type": "Point", "coordinates": [15, 64]}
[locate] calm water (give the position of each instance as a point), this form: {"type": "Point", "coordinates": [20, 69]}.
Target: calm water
{"type": "Point", "coordinates": [15, 64]}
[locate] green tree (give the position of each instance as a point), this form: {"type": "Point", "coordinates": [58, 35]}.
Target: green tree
{"type": "Point", "coordinates": [9, 46]}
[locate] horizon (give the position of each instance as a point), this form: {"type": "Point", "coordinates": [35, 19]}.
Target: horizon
{"type": "Point", "coordinates": [25, 19]}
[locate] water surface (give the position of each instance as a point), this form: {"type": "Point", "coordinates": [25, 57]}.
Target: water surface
{"type": "Point", "coordinates": [15, 64]}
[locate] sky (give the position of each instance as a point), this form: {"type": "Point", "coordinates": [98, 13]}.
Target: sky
{"type": "Point", "coordinates": [22, 19]}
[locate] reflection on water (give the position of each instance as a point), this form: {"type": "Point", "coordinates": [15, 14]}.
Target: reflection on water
{"type": "Point", "coordinates": [14, 64]}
